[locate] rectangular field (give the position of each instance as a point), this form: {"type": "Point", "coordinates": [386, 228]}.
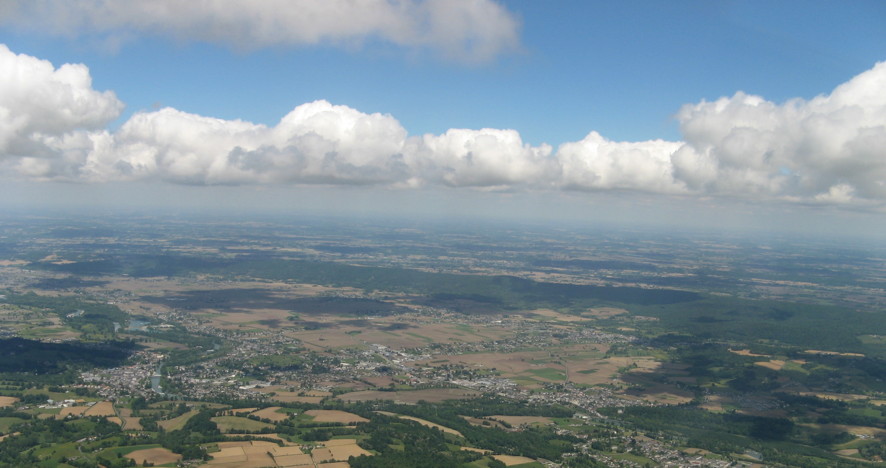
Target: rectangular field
{"type": "Point", "coordinates": [434, 395]}
{"type": "Point", "coordinates": [335, 416]}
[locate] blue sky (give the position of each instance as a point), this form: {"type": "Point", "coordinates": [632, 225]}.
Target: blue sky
{"type": "Point", "coordinates": [550, 73]}
{"type": "Point", "coordinates": [621, 68]}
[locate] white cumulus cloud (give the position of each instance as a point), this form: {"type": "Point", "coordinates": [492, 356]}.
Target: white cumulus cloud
{"type": "Point", "coordinates": [315, 143]}
{"type": "Point", "coordinates": [596, 163]}
{"type": "Point", "coordinates": [39, 102]}
{"type": "Point", "coordinates": [468, 30]}
{"type": "Point", "coordinates": [831, 147]}
{"type": "Point", "coordinates": [481, 158]}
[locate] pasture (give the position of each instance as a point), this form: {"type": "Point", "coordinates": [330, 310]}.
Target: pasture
{"type": "Point", "coordinates": [177, 422]}
{"type": "Point", "coordinates": [236, 423]}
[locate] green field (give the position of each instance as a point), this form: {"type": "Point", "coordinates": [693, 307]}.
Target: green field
{"type": "Point", "coordinates": [236, 423]}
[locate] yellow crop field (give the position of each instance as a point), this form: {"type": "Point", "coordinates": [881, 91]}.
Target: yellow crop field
{"type": "Point", "coordinates": [271, 413]}
{"type": "Point", "coordinates": [511, 460]}
{"type": "Point", "coordinates": [7, 401]}
{"type": "Point", "coordinates": [155, 456]}
{"type": "Point", "coordinates": [102, 408]}
{"type": "Point", "coordinates": [335, 416]}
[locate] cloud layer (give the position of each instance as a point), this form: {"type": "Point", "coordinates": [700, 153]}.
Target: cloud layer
{"type": "Point", "coordinates": [464, 30]}
{"type": "Point", "coordinates": [828, 150]}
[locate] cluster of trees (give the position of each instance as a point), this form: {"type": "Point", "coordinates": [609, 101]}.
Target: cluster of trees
{"type": "Point", "coordinates": [16, 450]}
{"type": "Point", "coordinates": [876, 449]}
{"type": "Point", "coordinates": [95, 320]}
{"type": "Point", "coordinates": [793, 325]}
{"type": "Point", "coordinates": [778, 439]}
{"type": "Point", "coordinates": [532, 442]}
{"type": "Point", "coordinates": [40, 357]}
{"type": "Point", "coordinates": [405, 444]}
